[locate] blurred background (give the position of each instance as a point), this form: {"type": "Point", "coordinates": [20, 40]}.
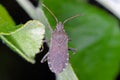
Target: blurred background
{"type": "Point", "coordinates": [97, 40]}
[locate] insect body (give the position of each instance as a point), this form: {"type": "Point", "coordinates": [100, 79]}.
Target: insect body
{"type": "Point", "coordinates": [58, 53]}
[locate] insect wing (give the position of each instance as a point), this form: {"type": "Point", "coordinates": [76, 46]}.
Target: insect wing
{"type": "Point", "coordinates": [58, 53]}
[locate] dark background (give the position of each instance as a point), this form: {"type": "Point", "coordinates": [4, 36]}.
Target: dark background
{"type": "Point", "coordinates": [12, 66]}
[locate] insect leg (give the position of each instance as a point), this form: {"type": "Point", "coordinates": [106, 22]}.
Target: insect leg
{"type": "Point", "coordinates": [69, 39]}
{"type": "Point", "coordinates": [42, 48]}
{"type": "Point", "coordinates": [44, 58]}
{"type": "Point", "coordinates": [72, 49]}
{"type": "Point", "coordinates": [46, 40]}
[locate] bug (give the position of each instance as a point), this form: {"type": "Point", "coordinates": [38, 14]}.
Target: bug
{"type": "Point", "coordinates": [57, 55]}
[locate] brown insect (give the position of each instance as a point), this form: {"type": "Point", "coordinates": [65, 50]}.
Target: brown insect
{"type": "Point", "coordinates": [57, 55]}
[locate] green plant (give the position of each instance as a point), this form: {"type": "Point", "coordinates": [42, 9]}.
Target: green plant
{"type": "Point", "coordinates": [95, 35]}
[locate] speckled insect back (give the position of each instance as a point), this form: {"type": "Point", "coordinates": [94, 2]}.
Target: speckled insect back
{"type": "Point", "coordinates": [57, 55]}
{"type": "Point", "coordinates": [58, 52]}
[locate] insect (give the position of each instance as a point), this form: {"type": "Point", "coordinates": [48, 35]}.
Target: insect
{"type": "Point", "coordinates": [57, 55]}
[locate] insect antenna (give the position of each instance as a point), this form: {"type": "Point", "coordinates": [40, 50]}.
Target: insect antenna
{"type": "Point", "coordinates": [50, 12]}
{"type": "Point", "coordinates": [70, 18]}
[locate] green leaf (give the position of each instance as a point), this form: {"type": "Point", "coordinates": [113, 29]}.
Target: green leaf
{"type": "Point", "coordinates": [97, 56]}
{"type": "Point", "coordinates": [36, 13]}
{"type": "Point", "coordinates": [7, 25]}
{"type": "Point", "coordinates": [26, 41]}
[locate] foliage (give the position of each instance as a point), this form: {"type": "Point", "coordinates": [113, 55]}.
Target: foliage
{"type": "Point", "coordinates": [95, 35]}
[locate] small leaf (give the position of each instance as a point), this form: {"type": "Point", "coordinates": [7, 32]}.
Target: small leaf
{"type": "Point", "coordinates": [26, 41]}
{"type": "Point", "coordinates": [6, 23]}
